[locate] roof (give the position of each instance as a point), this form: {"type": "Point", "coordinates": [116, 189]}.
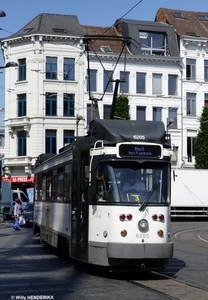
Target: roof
{"type": "Point", "coordinates": [51, 24]}
{"type": "Point", "coordinates": [186, 23]}
{"type": "Point", "coordinates": [103, 36]}
{"type": "Point", "coordinates": [117, 131]}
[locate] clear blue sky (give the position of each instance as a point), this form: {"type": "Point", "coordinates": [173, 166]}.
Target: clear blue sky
{"type": "Point", "coordinates": [89, 12]}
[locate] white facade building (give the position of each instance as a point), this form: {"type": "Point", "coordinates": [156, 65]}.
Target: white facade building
{"type": "Point", "coordinates": [47, 100]}
{"type": "Point", "coordinates": [44, 93]}
{"type": "Point", "coordinates": [192, 34]}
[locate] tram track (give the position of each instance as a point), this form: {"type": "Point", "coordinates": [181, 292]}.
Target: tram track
{"type": "Point", "coordinates": [171, 288]}
{"type": "Point", "coordinates": [159, 282]}
{"type": "Point", "coordinates": [193, 236]}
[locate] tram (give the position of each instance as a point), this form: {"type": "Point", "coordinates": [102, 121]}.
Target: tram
{"type": "Point", "coordinates": [80, 204]}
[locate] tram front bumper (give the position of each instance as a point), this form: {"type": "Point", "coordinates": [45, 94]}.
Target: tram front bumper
{"type": "Point", "coordinates": [140, 251]}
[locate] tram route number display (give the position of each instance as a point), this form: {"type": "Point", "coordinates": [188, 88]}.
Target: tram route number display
{"type": "Point", "coordinates": [150, 151]}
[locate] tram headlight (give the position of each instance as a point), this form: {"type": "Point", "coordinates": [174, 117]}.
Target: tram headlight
{"type": "Point", "coordinates": [143, 225]}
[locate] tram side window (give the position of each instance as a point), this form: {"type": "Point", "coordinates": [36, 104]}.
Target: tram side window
{"type": "Point", "coordinates": [44, 189]}
{"type": "Point", "coordinates": [54, 185]}
{"type": "Point", "coordinates": [104, 186]}
{"type": "Point", "coordinates": [67, 182]}
{"type": "Point", "coordinates": [36, 188]}
{"type": "Point", "coordinates": [60, 186]}
{"type": "Point", "coordinates": [48, 186]}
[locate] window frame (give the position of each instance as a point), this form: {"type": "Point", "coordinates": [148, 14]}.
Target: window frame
{"type": "Point", "coordinates": [68, 105]}
{"type": "Point", "coordinates": [190, 69]}
{"type": "Point", "coordinates": [141, 111]}
{"type": "Point", "coordinates": [172, 85]}
{"type": "Point", "coordinates": [50, 141]}
{"type": "Point", "coordinates": [156, 80]}
{"type": "Point", "coordinates": [124, 86]}
{"type": "Point", "coordinates": [21, 140]}
{"type": "Point", "coordinates": [51, 104]}
{"type": "Point", "coordinates": [191, 104]}
{"type": "Point", "coordinates": [141, 81]}
{"type": "Point", "coordinates": [107, 83]}
{"type": "Point", "coordinates": [69, 69]}
{"type": "Point", "coordinates": [22, 71]}
{"type": "Point", "coordinates": [22, 105]}
{"type": "Point", "coordinates": [51, 67]}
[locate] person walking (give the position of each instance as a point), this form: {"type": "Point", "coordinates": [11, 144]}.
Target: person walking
{"type": "Point", "coordinates": [17, 209]}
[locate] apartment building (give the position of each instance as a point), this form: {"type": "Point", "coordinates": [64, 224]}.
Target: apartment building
{"type": "Point", "coordinates": [149, 70]}
{"type": "Point", "coordinates": [44, 94]}
{"type": "Point", "coordinates": [192, 35]}
{"type": "Point", "coordinates": [48, 96]}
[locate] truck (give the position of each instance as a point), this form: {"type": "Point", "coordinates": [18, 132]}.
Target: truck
{"type": "Point", "coordinates": [189, 196]}
{"type": "Point", "coordinates": [7, 199]}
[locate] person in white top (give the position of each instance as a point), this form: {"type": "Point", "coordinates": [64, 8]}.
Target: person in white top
{"type": "Point", "coordinates": [133, 183]}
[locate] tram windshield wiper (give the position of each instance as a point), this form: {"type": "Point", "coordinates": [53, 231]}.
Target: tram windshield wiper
{"type": "Point", "coordinates": [149, 195]}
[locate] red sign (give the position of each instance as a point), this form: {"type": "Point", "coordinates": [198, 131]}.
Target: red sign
{"type": "Point", "coordinates": [18, 179]}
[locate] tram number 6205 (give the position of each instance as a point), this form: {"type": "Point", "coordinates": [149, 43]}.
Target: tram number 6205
{"type": "Point", "coordinates": [142, 235]}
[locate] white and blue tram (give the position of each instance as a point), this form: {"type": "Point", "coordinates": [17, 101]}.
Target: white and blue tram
{"type": "Point", "coordinates": [80, 205]}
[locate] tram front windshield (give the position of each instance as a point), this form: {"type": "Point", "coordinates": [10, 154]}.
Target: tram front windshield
{"type": "Point", "coordinates": [132, 182]}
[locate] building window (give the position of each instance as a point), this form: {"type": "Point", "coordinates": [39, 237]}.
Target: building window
{"type": "Point", "coordinates": [107, 83]}
{"type": "Point", "coordinates": [51, 104]}
{"type": "Point", "coordinates": [157, 113]}
{"type": "Point", "coordinates": [141, 83]}
{"type": "Point", "coordinates": [172, 85]}
{"type": "Point", "coordinates": [141, 113]}
{"type": "Point", "coordinates": [153, 43]}
{"type": "Point", "coordinates": [206, 100]}
{"type": "Point", "coordinates": [92, 81]}
{"type": "Point", "coordinates": [206, 70]}
{"type": "Point", "coordinates": [68, 136]}
{"type": "Point", "coordinates": [21, 99]}
{"type": "Point", "coordinates": [178, 15]}
{"type": "Point", "coordinates": [21, 137]}
{"type": "Point", "coordinates": [69, 69]}
{"type": "Point", "coordinates": [191, 104]}
{"type": "Point", "coordinates": [172, 115]}
{"type": "Point", "coordinates": [124, 85]}
{"type": "Point", "coordinates": [106, 111]}
{"type": "Point", "coordinates": [190, 69]}
{"type": "Point", "coordinates": [190, 148]}
{"type": "Point", "coordinates": [157, 84]}
{"type": "Point", "coordinates": [50, 141]}
{"type": "Point", "coordinates": [68, 105]}
{"type": "Point", "coordinates": [21, 69]}
{"type": "Point", "coordinates": [51, 67]}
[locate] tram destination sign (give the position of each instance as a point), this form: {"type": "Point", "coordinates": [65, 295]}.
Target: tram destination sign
{"type": "Point", "coordinates": [141, 150]}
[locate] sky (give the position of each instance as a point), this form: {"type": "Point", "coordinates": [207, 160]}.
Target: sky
{"type": "Point", "coordinates": [89, 12]}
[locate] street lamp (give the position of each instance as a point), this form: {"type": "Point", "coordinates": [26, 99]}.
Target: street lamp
{"type": "Point", "coordinates": [9, 64]}
{"type": "Point", "coordinates": [2, 13]}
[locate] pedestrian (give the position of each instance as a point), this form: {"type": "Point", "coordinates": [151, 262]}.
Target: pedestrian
{"type": "Point", "coordinates": [17, 209]}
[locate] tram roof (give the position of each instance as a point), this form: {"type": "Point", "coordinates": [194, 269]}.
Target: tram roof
{"type": "Point", "coordinates": [117, 131]}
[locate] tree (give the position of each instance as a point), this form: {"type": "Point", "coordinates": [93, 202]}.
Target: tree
{"type": "Point", "coordinates": [122, 107]}
{"type": "Point", "coordinates": [201, 142]}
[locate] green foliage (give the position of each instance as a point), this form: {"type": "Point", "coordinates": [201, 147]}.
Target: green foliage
{"type": "Point", "coordinates": [122, 107]}
{"type": "Point", "coordinates": [201, 142]}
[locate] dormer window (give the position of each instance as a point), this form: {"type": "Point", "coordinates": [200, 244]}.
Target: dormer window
{"type": "Point", "coordinates": [26, 30]}
{"type": "Point", "coordinates": [153, 43]}
{"type": "Point", "coordinates": [202, 18]}
{"type": "Point", "coordinates": [178, 15]}
{"type": "Point", "coordinates": [59, 30]}
{"type": "Point", "coordinates": [106, 49]}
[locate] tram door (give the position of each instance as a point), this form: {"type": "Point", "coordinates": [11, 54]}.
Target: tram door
{"type": "Point", "coordinates": [80, 206]}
